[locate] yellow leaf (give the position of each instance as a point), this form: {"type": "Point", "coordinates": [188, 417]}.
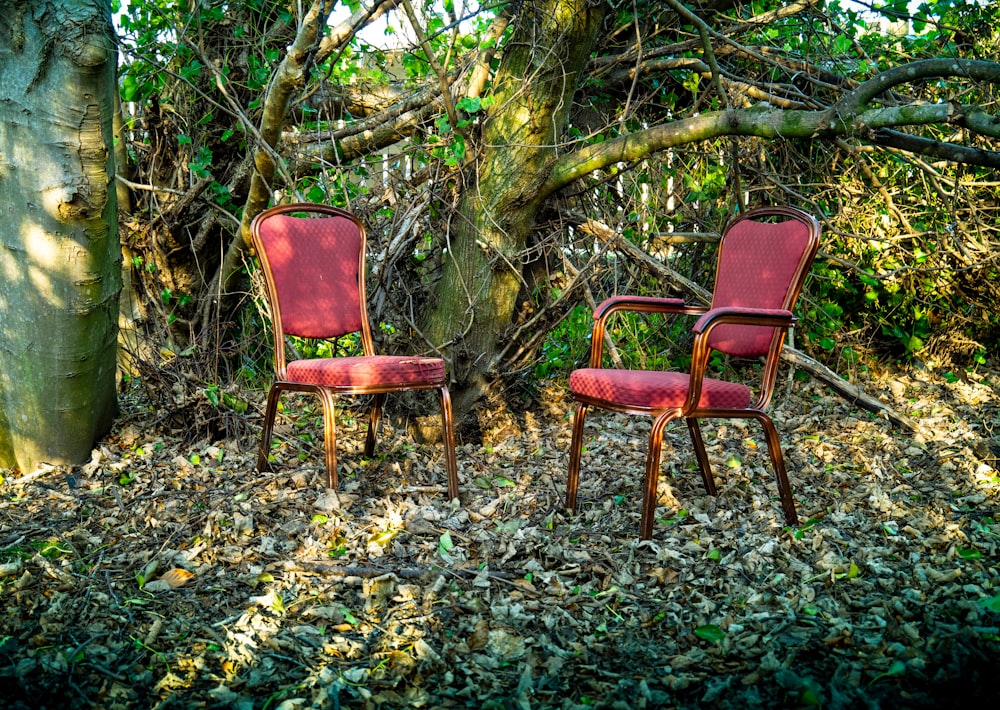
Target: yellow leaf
{"type": "Point", "coordinates": [176, 577]}
{"type": "Point", "coordinates": [383, 538]}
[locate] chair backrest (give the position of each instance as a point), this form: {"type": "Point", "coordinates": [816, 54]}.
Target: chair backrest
{"type": "Point", "coordinates": [764, 258]}
{"type": "Point", "coordinates": [313, 260]}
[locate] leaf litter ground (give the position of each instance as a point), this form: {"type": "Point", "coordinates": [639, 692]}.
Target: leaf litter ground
{"type": "Point", "coordinates": [167, 573]}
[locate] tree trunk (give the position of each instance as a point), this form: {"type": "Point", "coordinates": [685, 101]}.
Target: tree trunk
{"type": "Point", "coordinates": [536, 80]}
{"type": "Point", "coordinates": [60, 270]}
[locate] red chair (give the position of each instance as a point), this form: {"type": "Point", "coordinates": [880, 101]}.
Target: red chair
{"type": "Point", "coordinates": [763, 259]}
{"type": "Point", "coordinates": [313, 260]}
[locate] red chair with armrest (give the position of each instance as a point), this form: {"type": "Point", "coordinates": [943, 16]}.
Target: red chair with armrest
{"type": "Point", "coordinates": [763, 259]}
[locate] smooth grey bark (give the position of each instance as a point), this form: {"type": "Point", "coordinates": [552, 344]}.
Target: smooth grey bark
{"type": "Point", "coordinates": [60, 257]}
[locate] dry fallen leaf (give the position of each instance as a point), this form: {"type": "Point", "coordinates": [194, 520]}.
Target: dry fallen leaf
{"type": "Point", "coordinates": [541, 607]}
{"type": "Point", "coordinates": [176, 577]}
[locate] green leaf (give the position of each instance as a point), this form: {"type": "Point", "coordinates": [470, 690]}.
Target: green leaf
{"type": "Point", "coordinates": [969, 553]}
{"type": "Point", "coordinates": [811, 698]}
{"type": "Point", "coordinates": [130, 88]}
{"type": "Point", "coordinates": [445, 543]}
{"type": "Point", "coordinates": [852, 571]}
{"type": "Point", "coordinates": [991, 604]}
{"type": "Point", "coordinates": [897, 668]}
{"type": "Point", "coordinates": [841, 44]}
{"type": "Point", "coordinates": [383, 538]}
{"type": "Point", "coordinates": [805, 527]}
{"type": "Point", "coordinates": [913, 344]}
{"type": "Point", "coordinates": [469, 104]}
{"type": "Point", "coordinates": [691, 81]}
{"type": "Point", "coordinates": [458, 148]}
{"type": "Point", "coordinates": [710, 632]}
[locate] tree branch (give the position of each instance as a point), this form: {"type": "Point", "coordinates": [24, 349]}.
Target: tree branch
{"type": "Point", "coordinates": [854, 101]}
{"type": "Point", "coordinates": [439, 71]}
{"type": "Point", "coordinates": [937, 149]}
{"type": "Point", "coordinates": [759, 121]}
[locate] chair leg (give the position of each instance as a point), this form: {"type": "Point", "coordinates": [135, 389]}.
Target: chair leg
{"type": "Point", "coordinates": [699, 451]}
{"type": "Point", "coordinates": [653, 473]}
{"type": "Point", "coordinates": [778, 461]}
{"type": "Point", "coordinates": [448, 435]}
{"type": "Point", "coordinates": [375, 416]}
{"type": "Point", "coordinates": [575, 452]}
{"type": "Point", "coordinates": [329, 437]}
{"type": "Point", "coordinates": [270, 410]}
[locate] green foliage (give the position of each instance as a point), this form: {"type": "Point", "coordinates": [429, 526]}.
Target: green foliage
{"type": "Point", "coordinates": [649, 342]}
{"type": "Point", "coordinates": [219, 397]}
{"type": "Point", "coordinates": [345, 346]}
{"type": "Point", "coordinates": [567, 344]}
{"type": "Point", "coordinates": [711, 633]}
{"type": "Point", "coordinates": [891, 288]}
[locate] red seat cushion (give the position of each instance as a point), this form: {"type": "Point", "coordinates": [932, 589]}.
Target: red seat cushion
{"type": "Point", "coordinates": [656, 390]}
{"type": "Point", "coordinates": [367, 371]}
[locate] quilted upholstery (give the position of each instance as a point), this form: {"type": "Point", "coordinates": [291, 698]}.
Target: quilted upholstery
{"type": "Point", "coordinates": [755, 269]}
{"type": "Point", "coordinates": [656, 390]}
{"type": "Point", "coordinates": [370, 371]}
{"type": "Point", "coordinates": [314, 264]}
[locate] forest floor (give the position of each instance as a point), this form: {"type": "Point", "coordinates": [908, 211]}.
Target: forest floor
{"type": "Point", "coordinates": [166, 573]}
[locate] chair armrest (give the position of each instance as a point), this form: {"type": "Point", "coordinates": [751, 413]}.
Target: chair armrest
{"type": "Point", "coordinates": [646, 304]}
{"type": "Point", "coordinates": [768, 317]}
{"type": "Point", "coordinates": [638, 304]}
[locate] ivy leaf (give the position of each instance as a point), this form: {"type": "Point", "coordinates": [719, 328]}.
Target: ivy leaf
{"type": "Point", "coordinates": [469, 104]}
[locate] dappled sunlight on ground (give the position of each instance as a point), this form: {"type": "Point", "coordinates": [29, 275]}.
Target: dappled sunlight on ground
{"type": "Point", "coordinates": [167, 573]}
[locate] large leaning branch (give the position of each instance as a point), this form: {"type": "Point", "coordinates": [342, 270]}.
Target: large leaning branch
{"type": "Point", "coordinates": [849, 116]}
